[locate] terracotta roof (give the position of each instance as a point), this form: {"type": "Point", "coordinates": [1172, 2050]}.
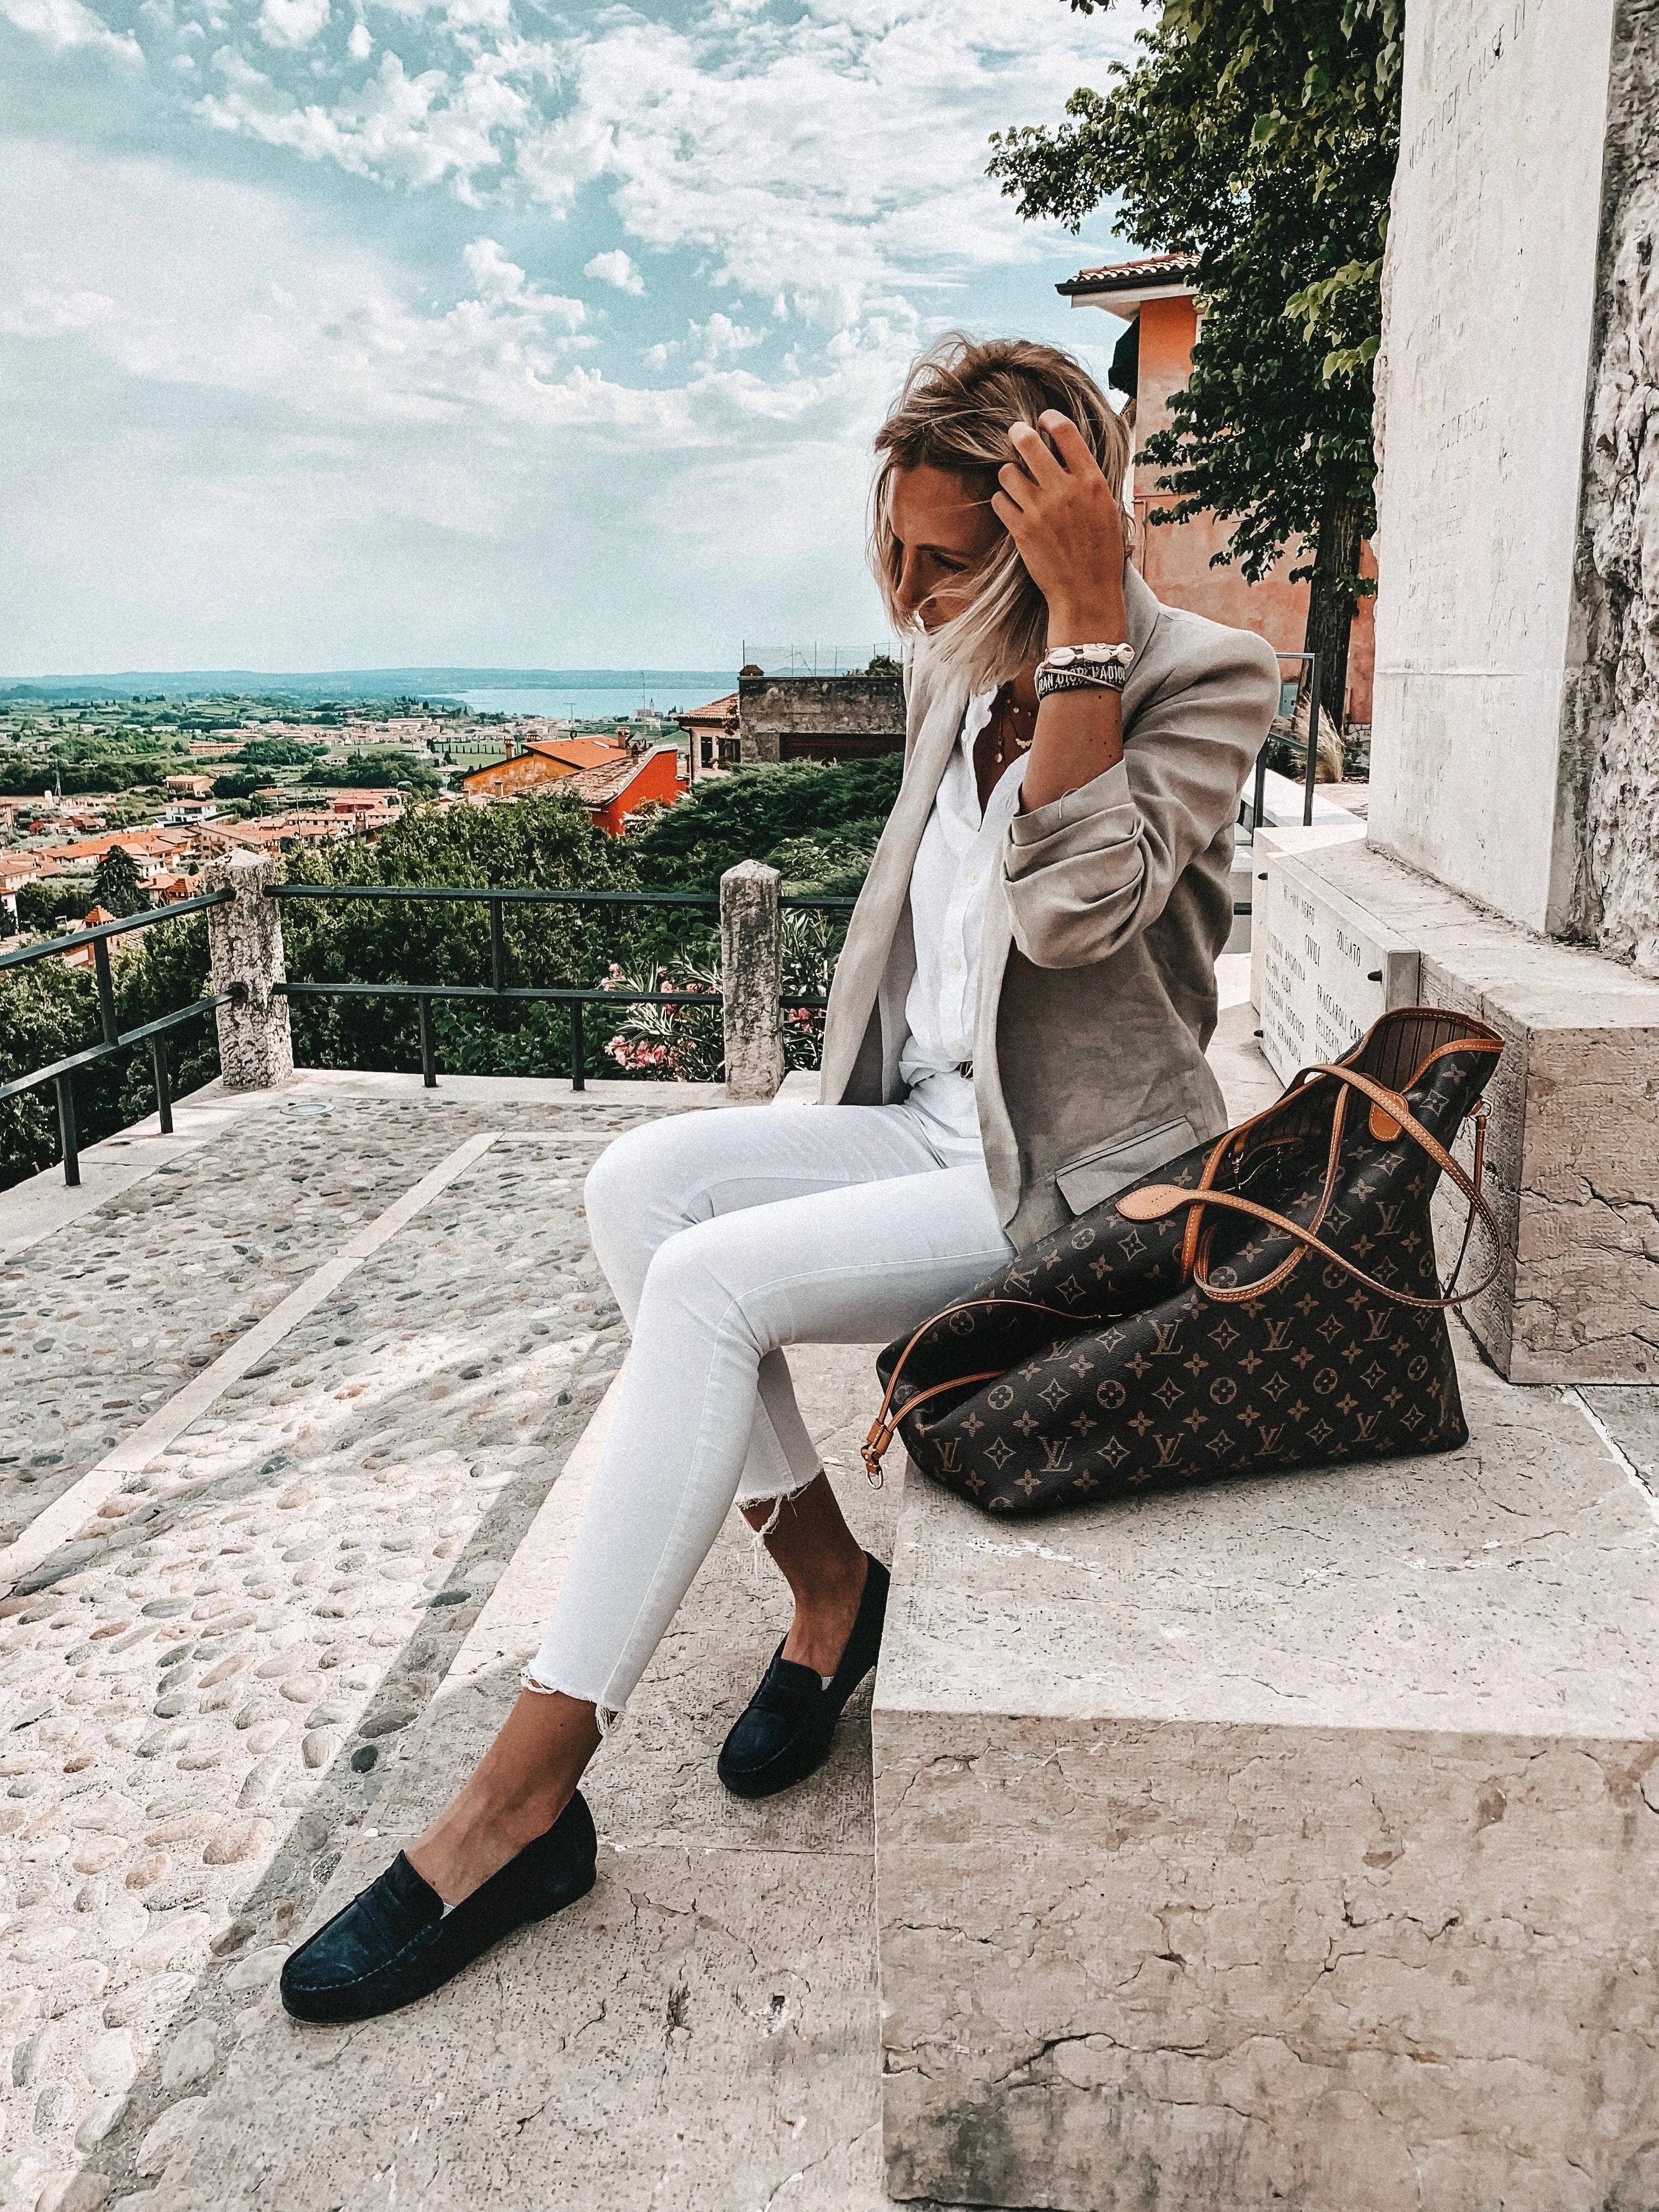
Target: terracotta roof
{"type": "Point", "coordinates": [597, 787]}
{"type": "Point", "coordinates": [717, 712]}
{"type": "Point", "coordinates": [1152, 269]}
{"type": "Point", "coordinates": [578, 752]}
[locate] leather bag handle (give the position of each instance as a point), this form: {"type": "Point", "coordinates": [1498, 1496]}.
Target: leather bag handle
{"type": "Point", "coordinates": [881, 1429]}
{"type": "Point", "coordinates": [1155, 1200]}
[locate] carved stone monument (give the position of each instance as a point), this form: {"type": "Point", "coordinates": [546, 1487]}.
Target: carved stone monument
{"type": "Point", "coordinates": [752, 964]}
{"type": "Point", "coordinates": [1514, 825]}
{"type": "Point", "coordinates": [244, 947]}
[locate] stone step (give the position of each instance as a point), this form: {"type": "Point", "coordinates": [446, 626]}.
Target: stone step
{"type": "Point", "coordinates": [699, 2032]}
{"type": "Point", "coordinates": [1278, 1843]}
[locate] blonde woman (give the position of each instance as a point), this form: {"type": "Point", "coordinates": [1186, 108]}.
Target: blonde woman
{"type": "Point", "coordinates": [1016, 1029]}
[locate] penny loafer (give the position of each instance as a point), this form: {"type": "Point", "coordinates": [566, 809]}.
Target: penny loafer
{"type": "Point", "coordinates": [394, 1943]}
{"type": "Point", "coordinates": [785, 1731]}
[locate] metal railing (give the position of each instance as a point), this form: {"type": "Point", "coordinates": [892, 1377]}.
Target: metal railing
{"type": "Point", "coordinates": [60, 1072]}
{"type": "Point", "coordinates": [498, 991]}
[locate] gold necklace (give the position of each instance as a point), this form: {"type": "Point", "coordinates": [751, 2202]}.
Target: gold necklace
{"type": "Point", "coordinates": [1003, 714]}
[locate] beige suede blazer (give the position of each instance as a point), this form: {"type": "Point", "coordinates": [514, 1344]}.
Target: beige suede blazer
{"type": "Point", "coordinates": [1097, 983]}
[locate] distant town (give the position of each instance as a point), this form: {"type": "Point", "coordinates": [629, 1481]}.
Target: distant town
{"type": "Point", "coordinates": [173, 781]}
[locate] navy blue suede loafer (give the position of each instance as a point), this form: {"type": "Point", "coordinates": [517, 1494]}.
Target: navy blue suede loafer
{"type": "Point", "coordinates": [785, 1731]}
{"type": "Point", "coordinates": [394, 1942]}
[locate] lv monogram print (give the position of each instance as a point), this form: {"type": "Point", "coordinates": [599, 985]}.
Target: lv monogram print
{"type": "Point", "coordinates": [1096, 1363]}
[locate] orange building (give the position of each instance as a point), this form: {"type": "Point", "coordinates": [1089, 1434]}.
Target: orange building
{"type": "Point", "coordinates": [544, 761]}
{"type": "Point", "coordinates": [1155, 296]}
{"type": "Point", "coordinates": [611, 792]}
{"type": "Point", "coordinates": [610, 780]}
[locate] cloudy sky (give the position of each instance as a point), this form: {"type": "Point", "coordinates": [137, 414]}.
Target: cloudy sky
{"type": "Point", "coordinates": [355, 333]}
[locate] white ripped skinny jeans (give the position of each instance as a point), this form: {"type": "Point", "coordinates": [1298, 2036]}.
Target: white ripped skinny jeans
{"type": "Point", "coordinates": [726, 1235]}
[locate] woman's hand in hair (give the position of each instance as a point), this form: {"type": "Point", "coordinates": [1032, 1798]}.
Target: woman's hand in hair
{"type": "Point", "coordinates": [1064, 520]}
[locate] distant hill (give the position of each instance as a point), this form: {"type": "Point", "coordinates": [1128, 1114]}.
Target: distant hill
{"type": "Point", "coordinates": [356, 683]}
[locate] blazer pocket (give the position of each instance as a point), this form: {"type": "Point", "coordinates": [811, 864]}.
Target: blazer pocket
{"type": "Point", "coordinates": [1105, 1169]}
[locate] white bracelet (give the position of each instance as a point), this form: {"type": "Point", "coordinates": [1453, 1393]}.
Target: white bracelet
{"type": "Point", "coordinates": [1081, 657]}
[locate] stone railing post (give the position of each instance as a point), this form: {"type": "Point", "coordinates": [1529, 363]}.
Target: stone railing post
{"type": "Point", "coordinates": [751, 971]}
{"type": "Point", "coordinates": [245, 941]}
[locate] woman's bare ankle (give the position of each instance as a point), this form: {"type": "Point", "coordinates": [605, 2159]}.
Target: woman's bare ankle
{"type": "Point", "coordinates": [474, 1837]}
{"type": "Point", "coordinates": [518, 1789]}
{"type": "Point", "coordinates": [824, 1614]}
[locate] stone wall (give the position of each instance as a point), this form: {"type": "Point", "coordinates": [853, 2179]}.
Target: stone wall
{"type": "Point", "coordinates": [821, 717]}
{"type": "Point", "coordinates": [1612, 713]}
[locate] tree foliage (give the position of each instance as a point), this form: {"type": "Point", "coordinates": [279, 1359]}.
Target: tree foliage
{"type": "Point", "coordinates": [49, 900]}
{"type": "Point", "coordinates": [373, 771]}
{"type": "Point", "coordinates": [115, 885]}
{"type": "Point", "coordinates": [537, 842]}
{"type": "Point", "coordinates": [774, 814]}
{"type": "Point", "coordinates": [801, 815]}
{"type": "Point", "coordinates": [1261, 135]}
{"type": "Point", "coordinates": [280, 752]}
{"type": "Point", "coordinates": [50, 1010]}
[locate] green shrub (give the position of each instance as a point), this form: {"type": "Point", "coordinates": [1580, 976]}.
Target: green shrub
{"type": "Point", "coordinates": [752, 813]}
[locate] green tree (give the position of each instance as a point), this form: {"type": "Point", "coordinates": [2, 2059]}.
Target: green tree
{"type": "Point", "coordinates": [1261, 135]}
{"type": "Point", "coordinates": [48, 1009]}
{"type": "Point", "coordinates": [49, 900]}
{"type": "Point", "coordinates": [536, 844]}
{"type": "Point", "coordinates": [376, 771]}
{"type": "Point", "coordinates": [755, 812]}
{"type": "Point", "coordinates": [279, 752]}
{"type": "Point", "coordinates": [115, 885]}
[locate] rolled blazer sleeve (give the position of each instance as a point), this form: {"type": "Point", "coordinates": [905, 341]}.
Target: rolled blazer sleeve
{"type": "Point", "coordinates": [1086, 873]}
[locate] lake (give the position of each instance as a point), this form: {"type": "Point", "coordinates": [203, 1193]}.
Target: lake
{"type": "Point", "coordinates": [677, 692]}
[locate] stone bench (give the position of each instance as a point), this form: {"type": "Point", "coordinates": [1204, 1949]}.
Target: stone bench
{"type": "Point", "coordinates": [1290, 1842]}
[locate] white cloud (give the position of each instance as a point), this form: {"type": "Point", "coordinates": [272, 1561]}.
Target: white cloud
{"type": "Point", "coordinates": [615, 269]}
{"type": "Point", "coordinates": [828, 165]}
{"type": "Point", "coordinates": [825, 166]}
{"type": "Point", "coordinates": [64, 25]}
{"type": "Point", "coordinates": [720, 338]}
{"type": "Point", "coordinates": [41, 311]}
{"type": "Point", "coordinates": [416, 129]}
{"type": "Point", "coordinates": [291, 24]}
{"type": "Point", "coordinates": [503, 283]}
{"type": "Point", "coordinates": [302, 405]}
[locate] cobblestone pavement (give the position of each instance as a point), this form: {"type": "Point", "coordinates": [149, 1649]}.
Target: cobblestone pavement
{"type": "Point", "coordinates": [196, 1715]}
{"type": "Point", "coordinates": [106, 1319]}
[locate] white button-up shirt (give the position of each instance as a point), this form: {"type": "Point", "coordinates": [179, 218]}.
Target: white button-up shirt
{"type": "Point", "coordinates": [949, 885]}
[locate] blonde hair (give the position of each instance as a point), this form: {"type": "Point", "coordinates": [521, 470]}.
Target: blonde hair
{"type": "Point", "coordinates": [958, 404]}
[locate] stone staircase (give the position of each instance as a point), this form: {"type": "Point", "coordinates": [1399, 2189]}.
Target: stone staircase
{"type": "Point", "coordinates": [1283, 1844]}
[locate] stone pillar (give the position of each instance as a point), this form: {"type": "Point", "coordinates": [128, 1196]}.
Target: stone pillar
{"type": "Point", "coordinates": [245, 940]}
{"type": "Point", "coordinates": [751, 968]}
{"type": "Point", "coordinates": [1505, 291]}
{"type": "Point", "coordinates": [1513, 847]}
